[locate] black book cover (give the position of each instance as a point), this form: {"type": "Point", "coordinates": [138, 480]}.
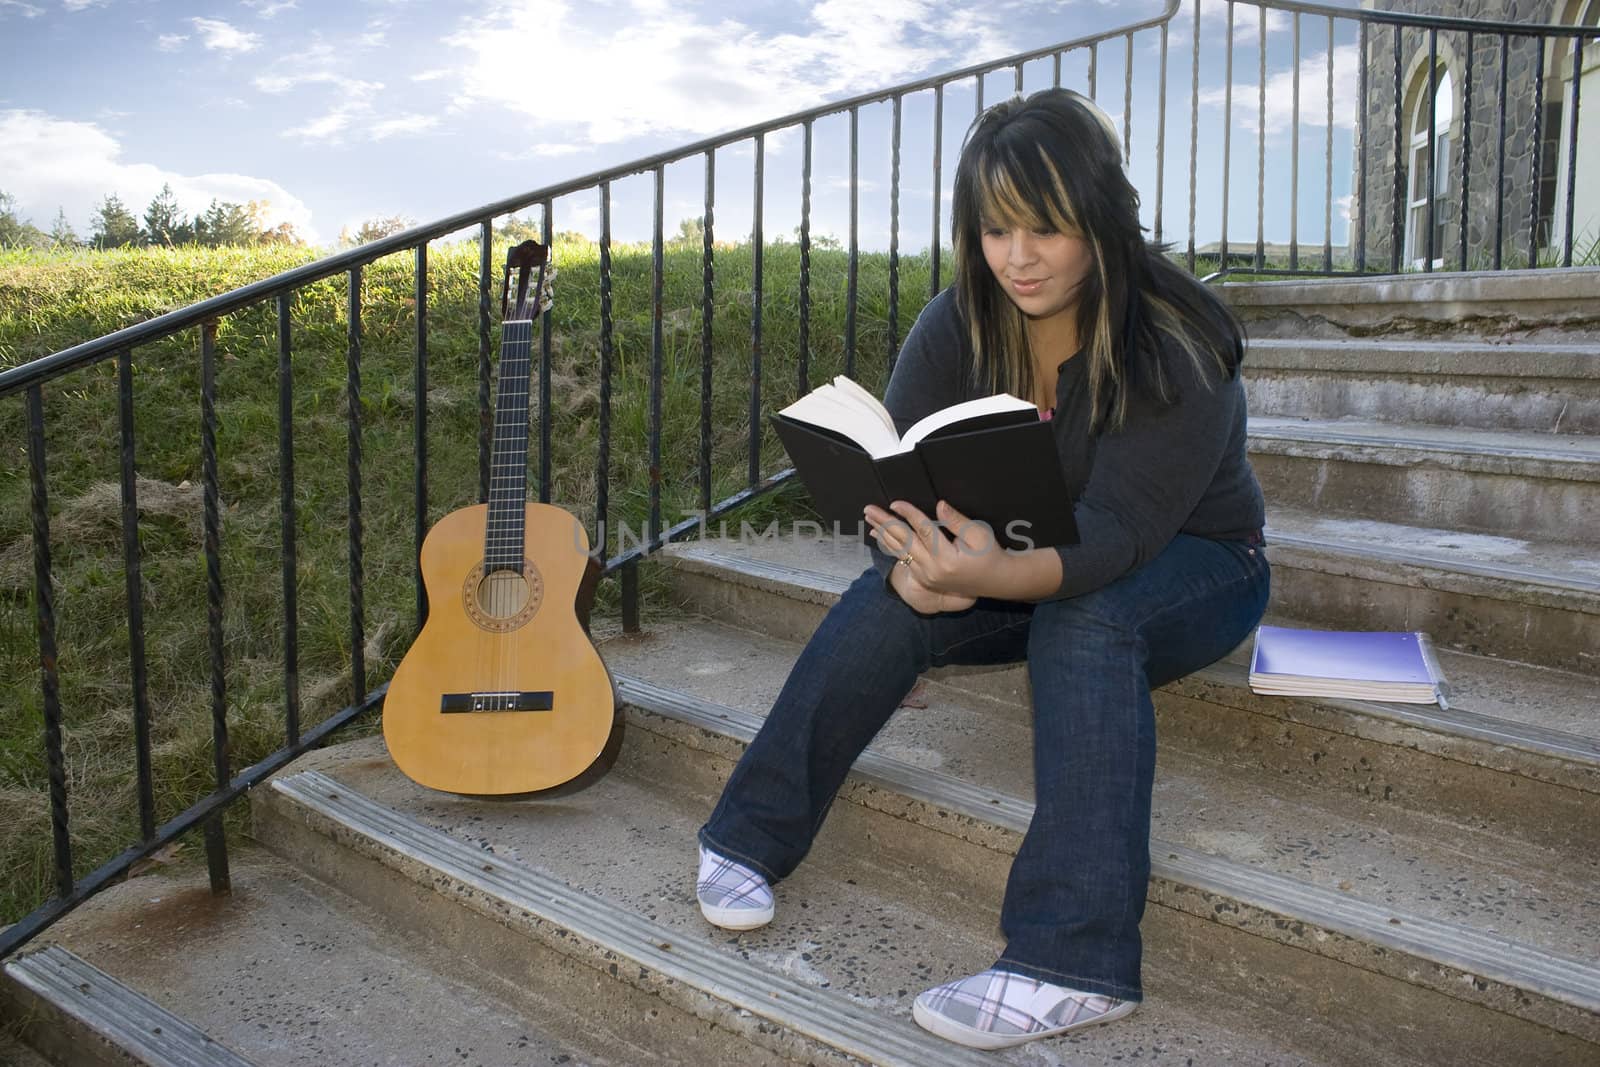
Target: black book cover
{"type": "Point", "coordinates": [1001, 470]}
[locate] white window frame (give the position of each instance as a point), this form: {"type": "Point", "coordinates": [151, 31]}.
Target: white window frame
{"type": "Point", "coordinates": [1417, 166]}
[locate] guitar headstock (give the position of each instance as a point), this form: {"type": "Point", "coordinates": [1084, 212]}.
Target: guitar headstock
{"type": "Point", "coordinates": [531, 302]}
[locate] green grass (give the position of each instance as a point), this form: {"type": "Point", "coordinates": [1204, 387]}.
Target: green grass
{"type": "Point", "coordinates": [50, 301]}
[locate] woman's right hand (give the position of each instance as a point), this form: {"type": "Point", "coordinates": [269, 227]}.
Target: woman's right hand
{"type": "Point", "coordinates": [923, 600]}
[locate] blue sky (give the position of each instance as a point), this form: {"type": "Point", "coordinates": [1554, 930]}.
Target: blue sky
{"type": "Point", "coordinates": [337, 111]}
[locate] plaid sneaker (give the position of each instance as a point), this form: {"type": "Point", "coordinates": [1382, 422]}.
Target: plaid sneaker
{"type": "Point", "coordinates": [731, 895]}
{"type": "Point", "coordinates": [998, 1009]}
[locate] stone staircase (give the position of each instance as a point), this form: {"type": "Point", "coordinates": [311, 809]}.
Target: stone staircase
{"type": "Point", "coordinates": [1334, 881]}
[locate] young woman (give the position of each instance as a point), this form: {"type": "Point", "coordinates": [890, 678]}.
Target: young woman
{"type": "Point", "coordinates": [1058, 298]}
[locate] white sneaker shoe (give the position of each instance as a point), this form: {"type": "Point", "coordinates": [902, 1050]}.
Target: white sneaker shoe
{"type": "Point", "coordinates": [731, 895]}
{"type": "Point", "coordinates": [998, 1009]}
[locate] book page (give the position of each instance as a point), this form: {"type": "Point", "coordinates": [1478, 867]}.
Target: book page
{"type": "Point", "coordinates": [985, 405]}
{"type": "Point", "coordinates": [834, 409]}
{"type": "Point", "coordinates": [849, 388]}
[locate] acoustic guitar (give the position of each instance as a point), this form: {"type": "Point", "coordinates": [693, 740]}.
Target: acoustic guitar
{"type": "Point", "coordinates": [503, 694]}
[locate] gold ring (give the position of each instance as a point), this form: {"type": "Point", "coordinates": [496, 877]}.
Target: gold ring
{"type": "Point", "coordinates": [905, 560]}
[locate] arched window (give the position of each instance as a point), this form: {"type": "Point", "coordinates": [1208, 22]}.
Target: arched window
{"type": "Point", "coordinates": [1442, 114]}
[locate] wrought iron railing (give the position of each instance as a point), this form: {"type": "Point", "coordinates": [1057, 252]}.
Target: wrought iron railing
{"type": "Point", "coordinates": [29, 381]}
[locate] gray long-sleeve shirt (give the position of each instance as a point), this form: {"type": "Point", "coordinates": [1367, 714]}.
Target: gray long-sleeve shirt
{"type": "Point", "coordinates": [1167, 470]}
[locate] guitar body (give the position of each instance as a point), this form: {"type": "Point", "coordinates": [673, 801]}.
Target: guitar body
{"type": "Point", "coordinates": [502, 693]}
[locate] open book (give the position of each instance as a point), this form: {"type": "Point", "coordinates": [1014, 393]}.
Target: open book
{"type": "Point", "coordinates": [991, 458]}
{"type": "Point", "coordinates": [1397, 667]}
{"type": "Point", "coordinates": [849, 410]}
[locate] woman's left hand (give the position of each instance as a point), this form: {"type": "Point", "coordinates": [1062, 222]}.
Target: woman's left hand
{"type": "Point", "coordinates": [969, 564]}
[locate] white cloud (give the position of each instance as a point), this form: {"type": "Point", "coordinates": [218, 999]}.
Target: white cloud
{"type": "Point", "coordinates": [1313, 93]}
{"type": "Point", "coordinates": [668, 68]}
{"type": "Point", "coordinates": [353, 102]}
{"type": "Point", "coordinates": [431, 75]}
{"type": "Point", "coordinates": [327, 127]}
{"type": "Point", "coordinates": [282, 83]}
{"type": "Point", "coordinates": [219, 36]}
{"type": "Point", "coordinates": [268, 8]}
{"type": "Point", "coordinates": [553, 150]}
{"type": "Point", "coordinates": [401, 124]}
{"type": "Point", "coordinates": [985, 37]}
{"type": "Point", "coordinates": [79, 5]}
{"type": "Point", "coordinates": [17, 7]}
{"type": "Point", "coordinates": [50, 163]}
{"type": "Point", "coordinates": [171, 42]}
{"type": "Point", "coordinates": [1214, 17]}
{"type": "Point", "coordinates": [352, 114]}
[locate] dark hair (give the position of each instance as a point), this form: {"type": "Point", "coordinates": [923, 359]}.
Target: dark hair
{"type": "Point", "coordinates": [1052, 161]}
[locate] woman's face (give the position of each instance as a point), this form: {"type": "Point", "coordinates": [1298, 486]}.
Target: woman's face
{"type": "Point", "coordinates": [1042, 271]}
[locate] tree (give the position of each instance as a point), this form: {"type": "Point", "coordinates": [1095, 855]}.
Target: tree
{"type": "Point", "coordinates": [15, 231]}
{"type": "Point", "coordinates": [114, 225]}
{"type": "Point", "coordinates": [62, 235]}
{"type": "Point", "coordinates": [165, 222]}
{"type": "Point", "coordinates": [225, 223]}
{"type": "Point", "coordinates": [375, 229]}
{"type": "Point", "coordinates": [516, 230]}
{"type": "Point", "coordinates": [691, 233]}
{"type": "Point", "coordinates": [283, 233]}
{"type": "Point", "coordinates": [10, 224]}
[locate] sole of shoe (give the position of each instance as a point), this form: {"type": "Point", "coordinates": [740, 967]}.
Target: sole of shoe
{"type": "Point", "coordinates": [736, 918]}
{"type": "Point", "coordinates": [987, 1040]}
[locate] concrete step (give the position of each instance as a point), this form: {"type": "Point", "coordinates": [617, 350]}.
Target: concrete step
{"type": "Point", "coordinates": [1250, 864]}
{"type": "Point", "coordinates": [550, 878]}
{"type": "Point", "coordinates": [885, 905]}
{"type": "Point", "coordinates": [1506, 597]}
{"type": "Point", "coordinates": [81, 1016]}
{"type": "Point", "coordinates": [287, 970]}
{"type": "Point", "coordinates": [1351, 938]}
{"type": "Point", "coordinates": [1533, 486]}
{"type": "Point", "coordinates": [1203, 801]}
{"type": "Point", "coordinates": [1527, 602]}
{"type": "Point", "coordinates": [1517, 752]}
{"type": "Point", "coordinates": [1510, 599]}
{"type": "Point", "coordinates": [605, 877]}
{"type": "Point", "coordinates": [1561, 306]}
{"type": "Point", "coordinates": [1544, 388]}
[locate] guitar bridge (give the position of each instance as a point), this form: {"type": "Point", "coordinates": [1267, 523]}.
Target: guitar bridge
{"type": "Point", "coordinates": [502, 700]}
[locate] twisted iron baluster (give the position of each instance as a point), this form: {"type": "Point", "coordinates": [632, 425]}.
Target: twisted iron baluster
{"type": "Point", "coordinates": [45, 613]}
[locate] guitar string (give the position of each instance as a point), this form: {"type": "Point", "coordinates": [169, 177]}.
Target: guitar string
{"type": "Point", "coordinates": [497, 593]}
{"type": "Point", "coordinates": [517, 338]}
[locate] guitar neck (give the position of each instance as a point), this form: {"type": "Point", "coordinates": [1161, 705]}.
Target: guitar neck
{"type": "Point", "coordinates": [508, 466]}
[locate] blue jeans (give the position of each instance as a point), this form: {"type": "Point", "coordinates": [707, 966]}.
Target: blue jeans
{"type": "Point", "coordinates": [1077, 887]}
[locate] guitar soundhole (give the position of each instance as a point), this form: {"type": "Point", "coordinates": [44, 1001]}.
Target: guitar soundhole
{"type": "Point", "coordinates": [503, 600]}
{"type": "Point", "coordinates": [502, 595]}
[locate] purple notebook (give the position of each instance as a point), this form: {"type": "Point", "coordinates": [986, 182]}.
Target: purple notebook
{"type": "Point", "coordinates": [1361, 665]}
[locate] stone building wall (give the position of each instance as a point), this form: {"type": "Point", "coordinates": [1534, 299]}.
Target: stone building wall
{"type": "Point", "coordinates": [1477, 116]}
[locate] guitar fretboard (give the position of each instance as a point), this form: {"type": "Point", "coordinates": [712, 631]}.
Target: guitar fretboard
{"type": "Point", "coordinates": [508, 465]}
